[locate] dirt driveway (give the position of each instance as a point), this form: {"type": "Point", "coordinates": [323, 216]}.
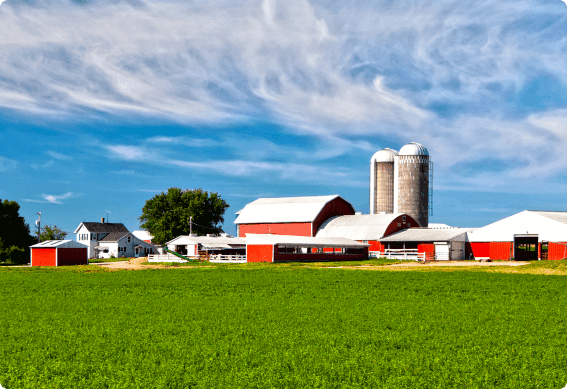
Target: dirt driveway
{"type": "Point", "coordinates": [137, 264]}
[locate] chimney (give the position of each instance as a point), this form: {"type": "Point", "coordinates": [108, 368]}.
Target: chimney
{"type": "Point", "coordinates": [102, 220]}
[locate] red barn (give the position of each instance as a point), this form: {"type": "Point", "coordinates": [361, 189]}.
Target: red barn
{"type": "Point", "coordinates": [297, 216]}
{"type": "Point", "coordinates": [59, 253]}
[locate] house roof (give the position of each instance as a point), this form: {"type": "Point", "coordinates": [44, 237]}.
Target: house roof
{"type": "Point", "coordinates": [426, 234]}
{"type": "Point", "coordinates": [114, 236]}
{"type": "Point", "coordinates": [283, 209]}
{"type": "Point", "coordinates": [293, 241]}
{"type": "Point", "coordinates": [68, 243]}
{"type": "Point", "coordinates": [102, 227]}
{"type": "Point", "coordinates": [357, 227]}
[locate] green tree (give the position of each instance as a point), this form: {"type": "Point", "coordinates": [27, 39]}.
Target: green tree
{"type": "Point", "coordinates": [52, 233]}
{"type": "Point", "coordinates": [15, 237]}
{"type": "Point", "coordinates": [166, 215]}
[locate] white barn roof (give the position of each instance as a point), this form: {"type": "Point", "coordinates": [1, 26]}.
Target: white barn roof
{"type": "Point", "coordinates": [207, 240]}
{"type": "Point", "coordinates": [428, 235]}
{"type": "Point", "coordinates": [283, 209]}
{"type": "Point", "coordinates": [289, 240]}
{"type": "Point", "coordinates": [357, 227]}
{"type": "Point", "coordinates": [549, 226]}
{"type": "Point", "coordinates": [60, 244]}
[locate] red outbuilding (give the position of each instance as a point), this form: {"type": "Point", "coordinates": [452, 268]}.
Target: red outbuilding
{"type": "Point", "coordinates": [285, 248]}
{"type": "Point", "coordinates": [59, 253]}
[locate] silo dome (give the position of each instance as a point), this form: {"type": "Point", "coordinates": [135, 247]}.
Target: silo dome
{"type": "Point", "coordinates": [413, 149]}
{"type": "Point", "coordinates": [385, 155]}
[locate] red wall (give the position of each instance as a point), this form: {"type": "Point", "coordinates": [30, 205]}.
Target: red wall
{"type": "Point", "coordinates": [500, 250]}
{"type": "Point", "coordinates": [428, 249]}
{"type": "Point", "coordinates": [480, 249]}
{"type": "Point", "coordinates": [296, 229]}
{"type": "Point", "coordinates": [259, 253]}
{"type": "Point", "coordinates": [72, 256]}
{"type": "Point", "coordinates": [393, 227]}
{"type": "Point", "coordinates": [375, 245]}
{"type": "Point", "coordinates": [336, 207]}
{"type": "Point", "coordinates": [43, 257]}
{"type": "Point", "coordinates": [556, 251]}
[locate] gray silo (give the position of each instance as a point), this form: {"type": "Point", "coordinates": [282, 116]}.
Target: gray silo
{"type": "Point", "coordinates": [382, 181]}
{"type": "Point", "coordinates": [412, 182]}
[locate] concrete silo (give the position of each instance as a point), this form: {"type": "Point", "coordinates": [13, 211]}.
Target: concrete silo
{"type": "Point", "coordinates": [412, 182]}
{"type": "Point", "coordinates": [382, 181]}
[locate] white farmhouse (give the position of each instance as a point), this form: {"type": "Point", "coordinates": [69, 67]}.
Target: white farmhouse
{"type": "Point", "coordinates": [123, 244]}
{"type": "Point", "coordinates": [106, 239]}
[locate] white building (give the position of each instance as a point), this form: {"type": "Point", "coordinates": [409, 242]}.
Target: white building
{"type": "Point", "coordinates": [191, 245]}
{"type": "Point", "coordinates": [123, 244]}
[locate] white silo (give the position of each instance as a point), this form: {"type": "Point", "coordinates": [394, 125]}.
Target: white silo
{"type": "Point", "coordinates": [382, 181]}
{"type": "Point", "coordinates": [411, 184]}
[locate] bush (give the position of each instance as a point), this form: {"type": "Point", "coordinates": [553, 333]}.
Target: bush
{"type": "Point", "coordinates": [15, 255]}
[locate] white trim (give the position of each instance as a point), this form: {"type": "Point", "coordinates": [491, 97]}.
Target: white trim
{"type": "Point", "coordinates": [56, 257]}
{"type": "Point", "coordinates": [31, 257]}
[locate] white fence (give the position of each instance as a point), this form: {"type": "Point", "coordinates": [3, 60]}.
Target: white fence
{"type": "Point", "coordinates": [218, 258]}
{"type": "Point", "coordinates": [165, 258]}
{"type": "Point", "coordinates": [401, 254]}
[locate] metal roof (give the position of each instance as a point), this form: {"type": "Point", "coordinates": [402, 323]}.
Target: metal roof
{"type": "Point", "coordinates": [207, 240]}
{"type": "Point", "coordinates": [294, 241]}
{"type": "Point", "coordinates": [426, 234]}
{"type": "Point", "coordinates": [384, 155]}
{"type": "Point", "coordinates": [68, 243]}
{"type": "Point", "coordinates": [357, 227]}
{"type": "Point", "coordinates": [413, 148]}
{"type": "Point", "coordinates": [557, 216]}
{"type": "Point", "coordinates": [283, 209]}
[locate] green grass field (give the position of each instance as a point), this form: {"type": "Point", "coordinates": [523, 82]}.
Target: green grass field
{"type": "Point", "coordinates": [281, 327]}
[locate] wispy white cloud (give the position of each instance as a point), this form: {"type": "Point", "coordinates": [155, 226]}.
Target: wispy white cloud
{"type": "Point", "coordinates": [53, 199]}
{"type": "Point", "coordinates": [474, 82]}
{"type": "Point", "coordinates": [56, 199]}
{"type": "Point", "coordinates": [44, 165]}
{"type": "Point", "coordinates": [7, 164]}
{"type": "Point", "coordinates": [57, 155]}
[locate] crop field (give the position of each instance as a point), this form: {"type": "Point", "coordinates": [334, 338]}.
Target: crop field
{"type": "Point", "coordinates": [281, 327]}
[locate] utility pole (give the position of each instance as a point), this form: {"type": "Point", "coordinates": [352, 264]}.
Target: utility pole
{"type": "Point", "coordinates": [38, 225]}
{"type": "Point", "coordinates": [190, 225]}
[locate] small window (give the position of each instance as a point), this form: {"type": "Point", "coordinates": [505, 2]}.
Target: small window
{"type": "Point", "coordinates": [128, 239]}
{"type": "Point", "coordinates": [399, 224]}
{"type": "Point", "coordinates": [403, 218]}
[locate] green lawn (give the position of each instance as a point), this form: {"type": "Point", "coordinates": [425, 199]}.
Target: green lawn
{"type": "Point", "coordinates": [281, 327]}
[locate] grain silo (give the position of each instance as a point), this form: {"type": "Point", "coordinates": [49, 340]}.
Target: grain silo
{"type": "Point", "coordinates": [411, 185]}
{"type": "Point", "coordinates": [382, 181]}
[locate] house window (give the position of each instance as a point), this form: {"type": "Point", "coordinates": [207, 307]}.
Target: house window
{"type": "Point", "coordinates": [128, 239]}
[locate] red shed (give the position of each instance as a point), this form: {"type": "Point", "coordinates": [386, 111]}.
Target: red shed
{"type": "Point", "coordinates": [297, 216]}
{"type": "Point", "coordinates": [59, 253]}
{"type": "Point", "coordinates": [284, 248]}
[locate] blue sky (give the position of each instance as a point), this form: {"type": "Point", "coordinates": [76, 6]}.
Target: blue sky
{"type": "Point", "coordinates": [103, 104]}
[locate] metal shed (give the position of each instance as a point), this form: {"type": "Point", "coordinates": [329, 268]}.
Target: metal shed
{"type": "Point", "coordinates": [435, 243]}
{"type": "Point", "coordinates": [59, 253]}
